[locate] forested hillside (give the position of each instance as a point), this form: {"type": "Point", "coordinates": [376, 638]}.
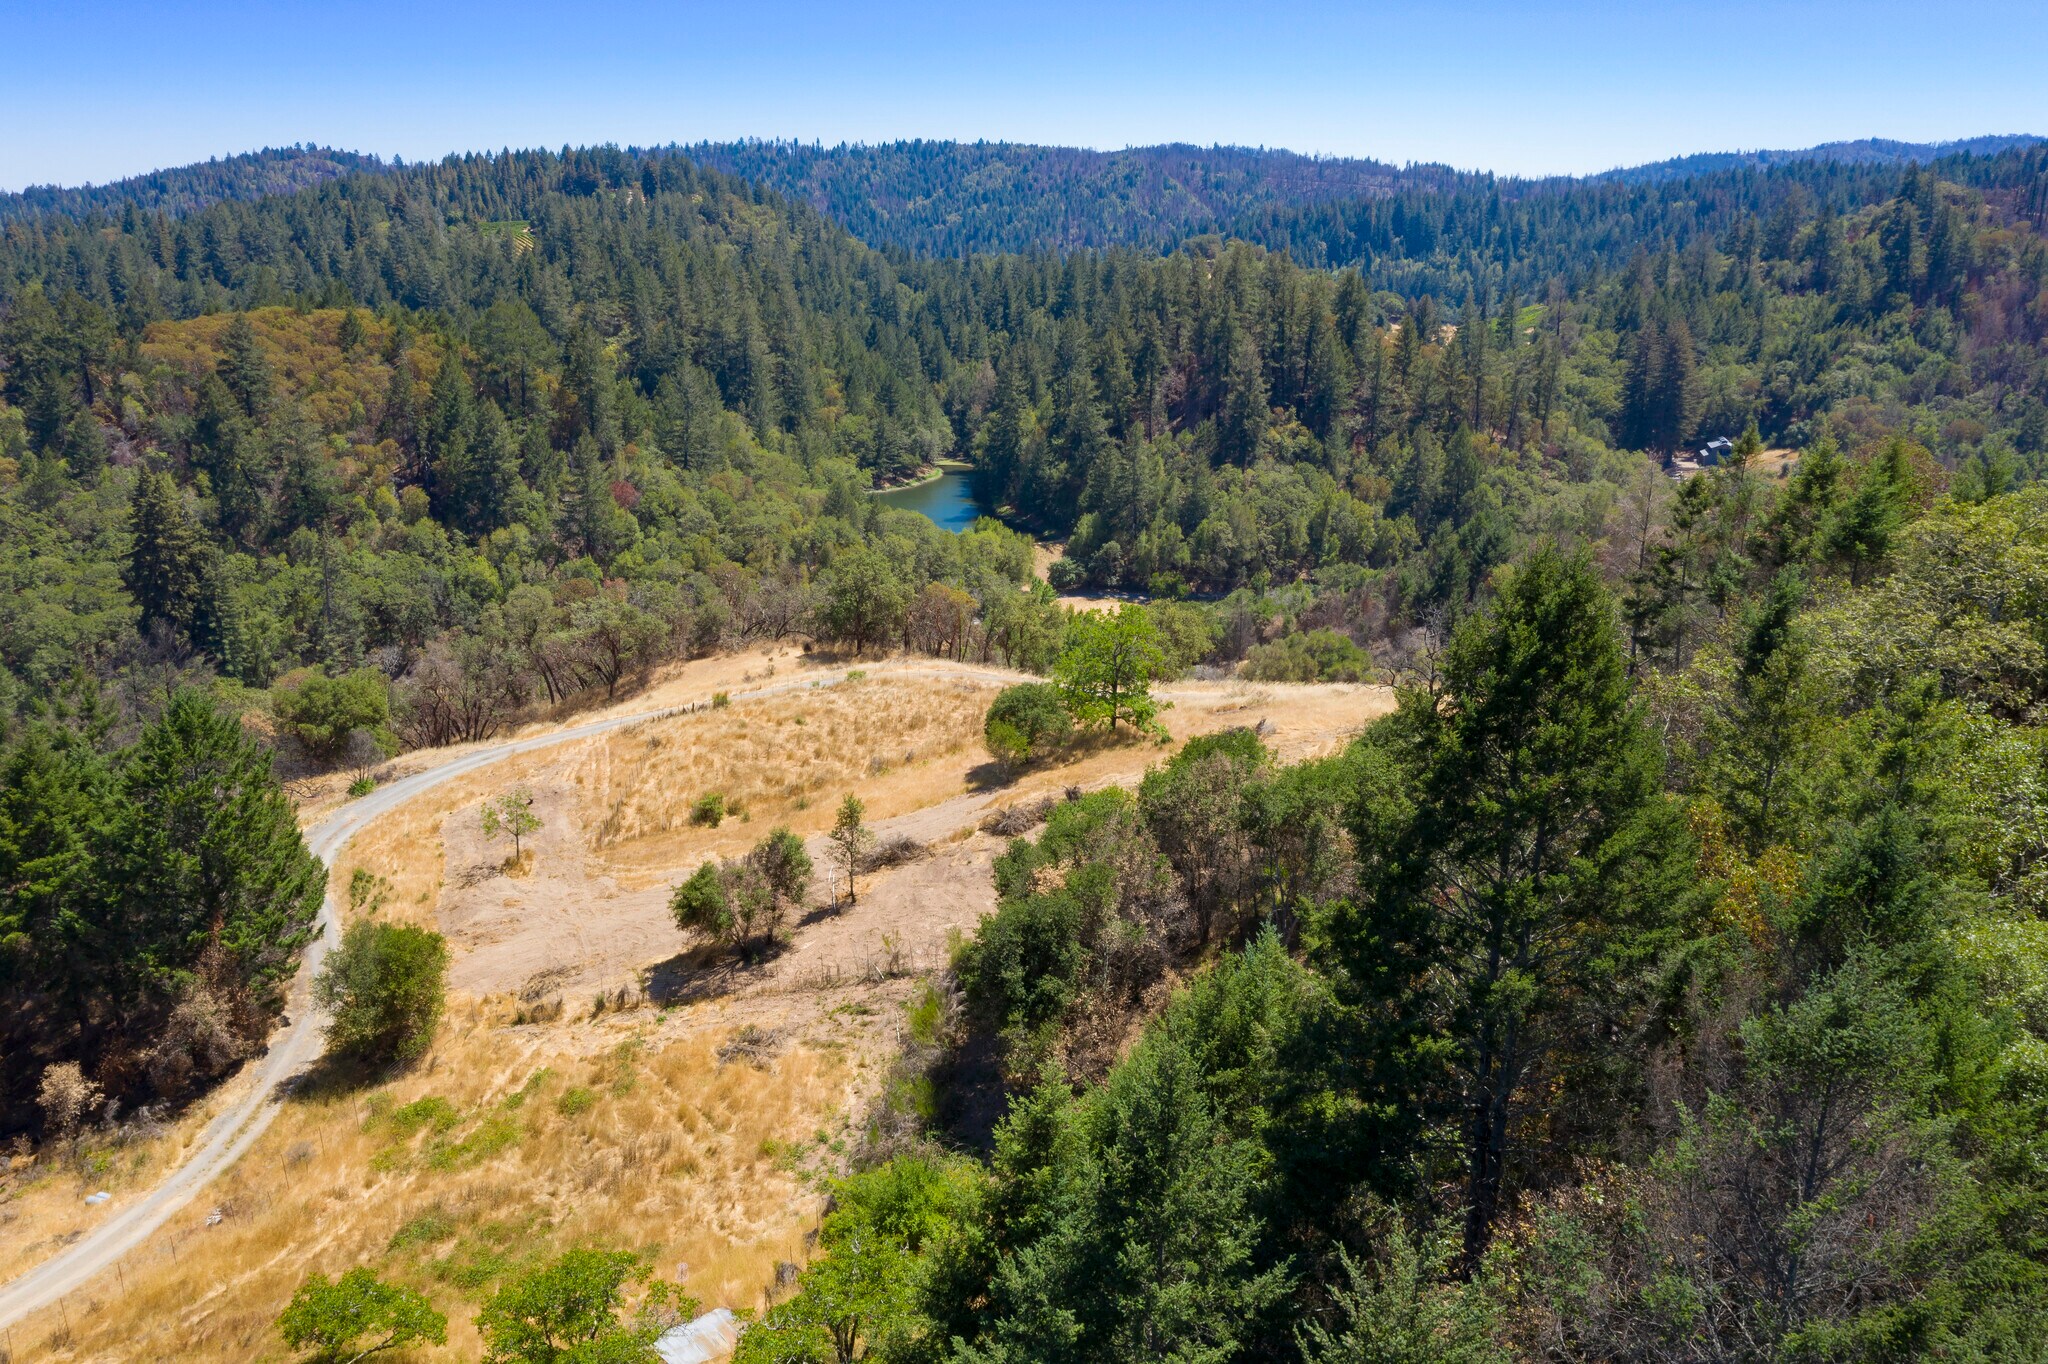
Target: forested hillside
{"type": "Point", "coordinates": [1665, 970]}
{"type": "Point", "coordinates": [1413, 229]}
{"type": "Point", "coordinates": [1565, 1016]}
{"type": "Point", "coordinates": [957, 198]}
{"type": "Point", "coordinates": [1881, 150]}
{"type": "Point", "coordinates": [185, 189]}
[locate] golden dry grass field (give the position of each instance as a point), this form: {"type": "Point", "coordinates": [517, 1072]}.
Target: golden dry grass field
{"type": "Point", "coordinates": [512, 1140]}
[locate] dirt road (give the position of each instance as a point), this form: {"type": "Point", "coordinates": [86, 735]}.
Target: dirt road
{"type": "Point", "coordinates": [295, 1046]}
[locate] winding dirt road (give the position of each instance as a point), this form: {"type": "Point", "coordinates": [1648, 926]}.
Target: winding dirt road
{"type": "Point", "coordinates": [237, 1127]}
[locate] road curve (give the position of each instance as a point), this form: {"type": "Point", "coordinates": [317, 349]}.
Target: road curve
{"type": "Point", "coordinates": [238, 1126]}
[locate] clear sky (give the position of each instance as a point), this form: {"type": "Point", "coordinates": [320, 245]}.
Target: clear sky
{"type": "Point", "coordinates": [95, 91]}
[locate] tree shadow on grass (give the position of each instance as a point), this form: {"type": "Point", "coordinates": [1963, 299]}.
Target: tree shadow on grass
{"type": "Point", "coordinates": [330, 1077]}
{"type": "Point", "coordinates": [992, 776]}
{"type": "Point", "coordinates": [707, 972]}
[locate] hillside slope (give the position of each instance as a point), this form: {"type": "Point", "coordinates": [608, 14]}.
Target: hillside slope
{"type": "Point", "coordinates": [186, 189]}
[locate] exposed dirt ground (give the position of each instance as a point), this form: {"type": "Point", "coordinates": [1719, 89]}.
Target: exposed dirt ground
{"type": "Point", "coordinates": [683, 1128]}
{"type": "Point", "coordinates": [592, 911]}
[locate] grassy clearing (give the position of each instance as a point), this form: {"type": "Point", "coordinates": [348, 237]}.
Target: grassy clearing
{"type": "Point", "coordinates": [504, 1145]}
{"type": "Point", "coordinates": [903, 742]}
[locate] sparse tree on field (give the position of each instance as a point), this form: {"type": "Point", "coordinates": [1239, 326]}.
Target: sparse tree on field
{"type": "Point", "coordinates": [511, 816]}
{"type": "Point", "coordinates": [851, 840]}
{"type": "Point", "coordinates": [1108, 665]}
{"type": "Point", "coordinates": [385, 986]}
{"type": "Point", "coordinates": [784, 865]}
{"type": "Point", "coordinates": [742, 903]}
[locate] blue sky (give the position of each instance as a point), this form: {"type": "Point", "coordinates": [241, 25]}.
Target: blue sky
{"type": "Point", "coordinates": [97, 91]}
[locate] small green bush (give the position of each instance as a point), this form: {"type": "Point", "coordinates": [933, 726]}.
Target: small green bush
{"type": "Point", "coordinates": [1025, 723]}
{"type": "Point", "coordinates": [576, 1099]}
{"type": "Point", "coordinates": [360, 787]}
{"type": "Point", "coordinates": [492, 1135]}
{"type": "Point", "coordinates": [1318, 656]}
{"type": "Point", "coordinates": [432, 1112]}
{"type": "Point", "coordinates": [428, 1229]}
{"type": "Point", "coordinates": [384, 987]}
{"type": "Point", "coordinates": [925, 1015]}
{"type": "Point", "coordinates": [709, 810]}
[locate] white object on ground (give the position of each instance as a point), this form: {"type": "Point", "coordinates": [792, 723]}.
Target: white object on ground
{"type": "Point", "coordinates": [98, 1198]}
{"type": "Point", "coordinates": [711, 1336]}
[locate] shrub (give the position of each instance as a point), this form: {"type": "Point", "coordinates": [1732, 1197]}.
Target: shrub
{"type": "Point", "coordinates": [1318, 656]}
{"type": "Point", "coordinates": [199, 1041]}
{"type": "Point", "coordinates": [570, 1309]}
{"type": "Point", "coordinates": [1026, 722]}
{"type": "Point", "coordinates": [742, 903]}
{"type": "Point", "coordinates": [701, 905]}
{"type": "Point", "coordinates": [430, 1112]}
{"type": "Point", "coordinates": [708, 810]}
{"type": "Point", "coordinates": [361, 786]}
{"type": "Point", "coordinates": [323, 712]}
{"type": "Point", "coordinates": [429, 1228]}
{"type": "Point", "coordinates": [384, 986]}
{"type": "Point", "coordinates": [784, 865]}
{"type": "Point", "coordinates": [65, 1096]}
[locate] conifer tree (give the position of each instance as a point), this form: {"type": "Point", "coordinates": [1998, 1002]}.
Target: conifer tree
{"type": "Point", "coordinates": [1242, 421]}
{"type": "Point", "coordinates": [165, 564]}
{"type": "Point", "coordinates": [1538, 852]}
{"type": "Point", "coordinates": [244, 368]}
{"type": "Point", "coordinates": [1767, 732]}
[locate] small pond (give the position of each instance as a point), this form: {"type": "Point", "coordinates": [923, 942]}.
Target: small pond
{"type": "Point", "coordinates": [947, 500]}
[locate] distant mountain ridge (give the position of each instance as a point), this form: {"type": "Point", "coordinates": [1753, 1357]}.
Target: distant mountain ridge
{"type": "Point", "coordinates": [956, 198]}
{"type": "Point", "coordinates": [187, 189]}
{"type": "Point", "coordinates": [1862, 151]}
{"type": "Point", "coordinates": [1420, 228]}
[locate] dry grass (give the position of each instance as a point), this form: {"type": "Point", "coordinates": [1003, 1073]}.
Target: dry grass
{"type": "Point", "coordinates": [42, 1199]}
{"type": "Point", "coordinates": [780, 760]}
{"type": "Point", "coordinates": [901, 742]}
{"type": "Point", "coordinates": [691, 1159]}
{"type": "Point", "coordinates": [628, 1132]}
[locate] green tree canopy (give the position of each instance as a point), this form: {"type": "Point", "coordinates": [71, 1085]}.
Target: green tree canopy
{"type": "Point", "coordinates": [1108, 665]}
{"type": "Point", "coordinates": [357, 1316]}
{"type": "Point", "coordinates": [384, 987]}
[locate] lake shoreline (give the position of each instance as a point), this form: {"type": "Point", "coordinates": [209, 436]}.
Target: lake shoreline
{"type": "Point", "coordinates": [946, 498]}
{"type": "Point", "coordinates": [932, 473]}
